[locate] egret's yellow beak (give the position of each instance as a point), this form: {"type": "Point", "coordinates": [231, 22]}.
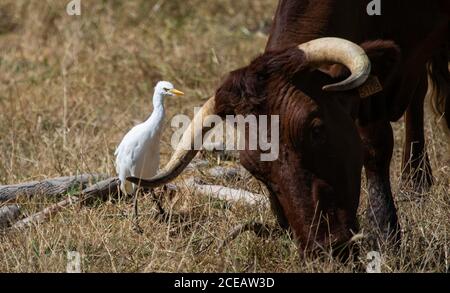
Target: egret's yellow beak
{"type": "Point", "coordinates": [176, 92]}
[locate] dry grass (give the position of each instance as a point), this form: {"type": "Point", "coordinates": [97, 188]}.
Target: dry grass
{"type": "Point", "coordinates": [71, 86]}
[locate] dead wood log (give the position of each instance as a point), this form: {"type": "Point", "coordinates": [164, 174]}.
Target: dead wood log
{"type": "Point", "coordinates": [228, 173]}
{"type": "Point", "coordinates": [228, 194]}
{"type": "Point", "coordinates": [8, 214]}
{"type": "Point", "coordinates": [109, 188]}
{"type": "Point", "coordinates": [50, 187]}
{"type": "Point", "coordinates": [197, 164]}
{"type": "Point", "coordinates": [45, 214]}
{"type": "Point", "coordinates": [100, 190]}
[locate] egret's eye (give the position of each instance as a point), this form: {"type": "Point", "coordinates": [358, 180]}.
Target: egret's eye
{"type": "Point", "coordinates": [165, 89]}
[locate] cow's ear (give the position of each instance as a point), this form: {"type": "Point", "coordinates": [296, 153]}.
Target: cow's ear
{"type": "Point", "coordinates": [384, 57]}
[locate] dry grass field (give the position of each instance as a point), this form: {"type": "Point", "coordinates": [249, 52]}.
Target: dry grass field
{"type": "Point", "coordinates": [71, 86]}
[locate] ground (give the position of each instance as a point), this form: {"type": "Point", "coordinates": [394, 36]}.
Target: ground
{"type": "Point", "coordinates": [71, 86]}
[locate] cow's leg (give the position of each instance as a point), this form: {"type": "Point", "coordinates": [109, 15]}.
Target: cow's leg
{"type": "Point", "coordinates": [378, 144]}
{"type": "Point", "coordinates": [416, 165]}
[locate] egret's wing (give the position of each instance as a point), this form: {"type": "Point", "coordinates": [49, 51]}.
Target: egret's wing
{"type": "Point", "coordinates": [124, 150]}
{"type": "Point", "coordinates": [136, 152]}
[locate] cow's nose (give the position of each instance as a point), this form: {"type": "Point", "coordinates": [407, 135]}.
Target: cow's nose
{"type": "Point", "coordinates": [346, 251]}
{"type": "Point", "coordinates": [342, 246]}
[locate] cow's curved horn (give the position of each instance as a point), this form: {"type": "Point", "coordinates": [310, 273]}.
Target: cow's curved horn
{"type": "Point", "coordinates": [184, 152]}
{"type": "Point", "coordinates": [335, 50]}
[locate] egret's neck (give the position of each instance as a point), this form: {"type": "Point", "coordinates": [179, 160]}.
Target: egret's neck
{"type": "Point", "coordinates": [158, 113]}
{"type": "Point", "coordinates": [158, 101]}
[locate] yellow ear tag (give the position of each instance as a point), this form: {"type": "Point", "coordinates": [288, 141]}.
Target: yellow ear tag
{"type": "Point", "coordinates": [371, 87]}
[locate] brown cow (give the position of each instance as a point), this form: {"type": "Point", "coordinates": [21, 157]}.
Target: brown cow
{"type": "Point", "coordinates": [328, 132]}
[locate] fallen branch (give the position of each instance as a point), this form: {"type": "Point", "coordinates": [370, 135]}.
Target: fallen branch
{"type": "Point", "coordinates": [109, 188]}
{"type": "Point", "coordinates": [100, 190]}
{"type": "Point", "coordinates": [45, 214]}
{"type": "Point", "coordinates": [228, 173]}
{"type": "Point", "coordinates": [228, 194]}
{"type": "Point", "coordinates": [197, 164]}
{"type": "Point", "coordinates": [51, 187]}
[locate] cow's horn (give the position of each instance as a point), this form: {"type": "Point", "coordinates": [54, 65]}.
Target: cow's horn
{"type": "Point", "coordinates": [335, 50]}
{"type": "Point", "coordinates": [184, 152]}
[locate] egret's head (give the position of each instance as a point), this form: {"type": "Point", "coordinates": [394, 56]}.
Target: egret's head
{"type": "Point", "coordinates": [165, 88]}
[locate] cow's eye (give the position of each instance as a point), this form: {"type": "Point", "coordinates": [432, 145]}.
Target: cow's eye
{"type": "Point", "coordinates": [318, 133]}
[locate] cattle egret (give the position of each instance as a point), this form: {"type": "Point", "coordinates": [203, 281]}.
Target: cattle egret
{"type": "Point", "coordinates": [138, 153]}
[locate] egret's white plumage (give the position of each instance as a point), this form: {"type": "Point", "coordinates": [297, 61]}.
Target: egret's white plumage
{"type": "Point", "coordinates": [138, 153]}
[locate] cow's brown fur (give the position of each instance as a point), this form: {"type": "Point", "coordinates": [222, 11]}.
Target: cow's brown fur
{"type": "Point", "coordinates": [326, 138]}
{"type": "Point", "coordinates": [318, 137]}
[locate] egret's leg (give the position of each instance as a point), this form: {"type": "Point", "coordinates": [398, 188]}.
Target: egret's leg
{"type": "Point", "coordinates": [158, 203]}
{"type": "Point", "coordinates": [137, 228]}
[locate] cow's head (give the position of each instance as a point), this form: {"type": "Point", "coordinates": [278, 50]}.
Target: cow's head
{"type": "Point", "coordinates": [315, 182]}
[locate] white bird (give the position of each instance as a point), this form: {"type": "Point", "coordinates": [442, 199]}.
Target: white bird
{"type": "Point", "coordinates": [138, 153]}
